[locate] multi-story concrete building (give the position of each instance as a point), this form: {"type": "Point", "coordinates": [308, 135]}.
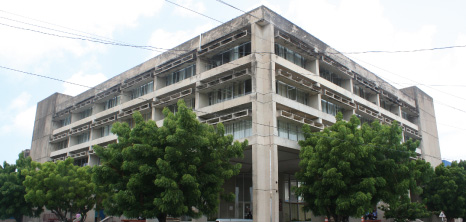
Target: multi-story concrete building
{"type": "Point", "coordinates": [261, 76]}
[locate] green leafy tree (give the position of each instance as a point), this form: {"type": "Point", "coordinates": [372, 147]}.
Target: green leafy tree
{"type": "Point", "coordinates": [408, 207]}
{"type": "Point", "coordinates": [447, 191]}
{"type": "Point", "coordinates": [347, 169]}
{"type": "Point", "coordinates": [12, 191]}
{"type": "Point", "coordinates": [177, 169]}
{"type": "Point", "coordinates": [62, 187]}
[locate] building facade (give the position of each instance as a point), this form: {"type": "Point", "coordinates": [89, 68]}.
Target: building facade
{"type": "Point", "coordinates": [263, 78]}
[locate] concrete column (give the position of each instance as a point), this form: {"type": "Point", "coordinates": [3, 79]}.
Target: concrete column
{"type": "Point", "coordinates": [264, 152]}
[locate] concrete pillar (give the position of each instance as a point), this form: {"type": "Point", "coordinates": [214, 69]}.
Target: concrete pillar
{"type": "Point", "coordinates": [264, 152]}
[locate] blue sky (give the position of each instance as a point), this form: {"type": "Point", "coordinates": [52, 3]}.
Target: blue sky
{"type": "Point", "coordinates": [346, 25]}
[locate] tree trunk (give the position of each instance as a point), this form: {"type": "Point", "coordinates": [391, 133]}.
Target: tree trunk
{"type": "Point", "coordinates": [162, 217]}
{"type": "Point", "coordinates": [340, 218]}
{"type": "Point", "coordinates": [19, 218]}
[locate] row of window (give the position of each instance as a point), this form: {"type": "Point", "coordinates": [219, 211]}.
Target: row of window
{"type": "Point", "coordinates": [290, 130]}
{"type": "Point", "coordinates": [330, 108]}
{"type": "Point", "coordinates": [330, 76]}
{"type": "Point", "coordinates": [142, 90]}
{"type": "Point", "coordinates": [239, 129]}
{"type": "Point", "coordinates": [179, 75]}
{"type": "Point", "coordinates": [230, 55]}
{"type": "Point", "coordinates": [361, 92]}
{"type": "Point", "coordinates": [291, 92]}
{"type": "Point", "coordinates": [190, 103]}
{"type": "Point", "coordinates": [230, 91]}
{"type": "Point", "coordinates": [289, 55]}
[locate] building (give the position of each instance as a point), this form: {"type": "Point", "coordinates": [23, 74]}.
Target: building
{"type": "Point", "coordinates": [260, 75]}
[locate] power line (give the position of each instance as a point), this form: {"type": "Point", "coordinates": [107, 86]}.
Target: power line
{"type": "Point", "coordinates": [404, 51]}
{"type": "Point", "coordinates": [194, 11]}
{"type": "Point", "coordinates": [150, 100]}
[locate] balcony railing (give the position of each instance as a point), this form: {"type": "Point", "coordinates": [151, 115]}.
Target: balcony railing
{"type": "Point", "coordinates": [300, 119]}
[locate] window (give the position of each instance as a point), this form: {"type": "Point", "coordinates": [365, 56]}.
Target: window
{"type": "Point", "coordinates": [289, 55]}
{"type": "Point", "coordinates": [179, 75]}
{"type": "Point", "coordinates": [85, 113]}
{"type": "Point", "coordinates": [142, 90]}
{"type": "Point", "coordinates": [239, 129]}
{"type": "Point", "coordinates": [290, 130]}
{"type": "Point", "coordinates": [115, 101]}
{"type": "Point", "coordinates": [292, 92]}
{"type": "Point", "coordinates": [330, 108]}
{"type": "Point", "coordinates": [230, 55]}
{"type": "Point", "coordinates": [230, 91]}
{"type": "Point", "coordinates": [361, 92]}
{"type": "Point", "coordinates": [81, 162]}
{"type": "Point", "coordinates": [363, 119]}
{"type": "Point", "coordinates": [64, 122]}
{"type": "Point", "coordinates": [106, 130]}
{"type": "Point", "coordinates": [83, 138]}
{"type": "Point", "coordinates": [174, 107]}
{"type": "Point", "coordinates": [62, 145]}
{"type": "Point", "coordinates": [332, 77]}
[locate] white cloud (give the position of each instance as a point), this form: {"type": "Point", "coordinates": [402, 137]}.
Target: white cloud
{"type": "Point", "coordinates": [195, 6]}
{"type": "Point", "coordinates": [361, 25]}
{"type": "Point", "coordinates": [167, 40]}
{"type": "Point", "coordinates": [23, 47]}
{"type": "Point", "coordinates": [80, 78]}
{"type": "Point", "coordinates": [20, 115]}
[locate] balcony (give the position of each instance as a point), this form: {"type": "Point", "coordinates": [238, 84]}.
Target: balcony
{"type": "Point", "coordinates": [300, 118]}
{"type": "Point", "coordinates": [103, 121]}
{"type": "Point", "coordinates": [175, 63]}
{"type": "Point", "coordinates": [130, 111]}
{"type": "Point", "coordinates": [142, 78]}
{"type": "Point", "coordinates": [342, 100]}
{"type": "Point", "coordinates": [300, 80]}
{"type": "Point", "coordinates": [236, 75]}
{"type": "Point", "coordinates": [337, 65]}
{"type": "Point", "coordinates": [160, 102]}
{"type": "Point", "coordinates": [221, 44]}
{"type": "Point", "coordinates": [228, 117]}
{"type": "Point", "coordinates": [370, 112]}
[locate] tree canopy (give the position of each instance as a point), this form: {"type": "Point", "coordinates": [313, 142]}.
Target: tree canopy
{"type": "Point", "coordinates": [12, 191]}
{"type": "Point", "coordinates": [61, 187]}
{"type": "Point", "coordinates": [176, 169]}
{"type": "Point", "coordinates": [347, 168]}
{"type": "Point", "coordinates": [447, 191]}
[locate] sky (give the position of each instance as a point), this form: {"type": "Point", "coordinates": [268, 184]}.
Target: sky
{"type": "Point", "coordinates": [35, 38]}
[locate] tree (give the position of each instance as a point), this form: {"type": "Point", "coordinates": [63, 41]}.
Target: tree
{"type": "Point", "coordinates": [347, 169]}
{"type": "Point", "coordinates": [409, 207]}
{"type": "Point", "coordinates": [177, 169]}
{"type": "Point", "coordinates": [61, 187]}
{"type": "Point", "coordinates": [12, 191]}
{"type": "Point", "coordinates": [447, 191]}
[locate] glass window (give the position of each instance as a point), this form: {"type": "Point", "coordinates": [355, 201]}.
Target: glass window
{"type": "Point", "coordinates": [85, 113]}
{"type": "Point", "coordinates": [330, 108]}
{"type": "Point", "coordinates": [289, 55]}
{"type": "Point", "coordinates": [330, 76]}
{"type": "Point", "coordinates": [239, 129]}
{"type": "Point", "coordinates": [179, 75]}
{"type": "Point", "coordinates": [142, 90]}
{"type": "Point", "coordinates": [83, 138]}
{"type": "Point", "coordinates": [106, 130]}
{"type": "Point", "coordinates": [65, 122]}
{"type": "Point", "coordinates": [292, 92]}
{"type": "Point", "coordinates": [62, 144]}
{"type": "Point", "coordinates": [115, 101]}
{"type": "Point", "coordinates": [190, 103]}
{"type": "Point", "coordinates": [290, 130]}
{"type": "Point", "coordinates": [230, 91]}
{"type": "Point", "coordinates": [230, 55]}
